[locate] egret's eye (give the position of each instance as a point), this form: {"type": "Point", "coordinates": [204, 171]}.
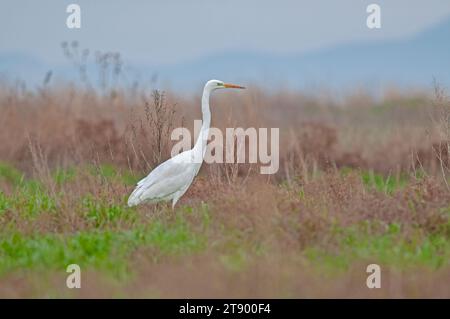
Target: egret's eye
{"type": "Point", "coordinates": [219, 84]}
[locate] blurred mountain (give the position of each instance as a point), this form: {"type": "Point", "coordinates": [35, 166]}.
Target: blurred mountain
{"type": "Point", "coordinates": [415, 61]}
{"type": "Point", "coordinates": [23, 66]}
{"type": "Point", "coordinates": [411, 62]}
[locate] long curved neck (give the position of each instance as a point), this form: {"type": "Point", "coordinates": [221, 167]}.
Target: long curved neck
{"type": "Point", "coordinates": [200, 144]}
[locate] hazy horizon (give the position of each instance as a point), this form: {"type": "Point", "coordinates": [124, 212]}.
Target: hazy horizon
{"type": "Point", "coordinates": [186, 43]}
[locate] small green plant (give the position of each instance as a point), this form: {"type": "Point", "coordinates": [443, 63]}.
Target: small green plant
{"type": "Point", "coordinates": [5, 202]}
{"type": "Point", "coordinates": [387, 185]}
{"type": "Point", "coordinates": [62, 176]}
{"type": "Point", "coordinates": [31, 199]}
{"type": "Point", "coordinates": [102, 213]}
{"type": "Point", "coordinates": [10, 174]}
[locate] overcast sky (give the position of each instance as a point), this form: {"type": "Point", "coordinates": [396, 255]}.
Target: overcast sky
{"type": "Point", "coordinates": [172, 31]}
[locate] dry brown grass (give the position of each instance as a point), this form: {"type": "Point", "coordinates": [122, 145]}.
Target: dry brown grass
{"type": "Point", "coordinates": [394, 135]}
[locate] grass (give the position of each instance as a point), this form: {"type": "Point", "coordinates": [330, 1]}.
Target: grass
{"type": "Point", "coordinates": [390, 249]}
{"type": "Point", "coordinates": [111, 173]}
{"type": "Point", "coordinates": [10, 174]}
{"type": "Point", "coordinates": [338, 202]}
{"type": "Point", "coordinates": [388, 184]}
{"type": "Point", "coordinates": [101, 246]}
{"type": "Point", "coordinates": [379, 182]}
{"type": "Point", "coordinates": [29, 200]}
{"type": "Point", "coordinates": [103, 213]}
{"type": "Point", "coordinates": [103, 250]}
{"type": "Point", "coordinates": [113, 238]}
{"type": "Point", "coordinates": [61, 176]}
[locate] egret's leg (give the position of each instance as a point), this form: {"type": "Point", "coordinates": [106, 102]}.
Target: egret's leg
{"type": "Point", "coordinates": [178, 195]}
{"type": "Point", "coordinates": [173, 203]}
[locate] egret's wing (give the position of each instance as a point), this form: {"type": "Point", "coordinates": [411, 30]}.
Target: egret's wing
{"type": "Point", "coordinates": [166, 179]}
{"type": "Point", "coordinates": [172, 167]}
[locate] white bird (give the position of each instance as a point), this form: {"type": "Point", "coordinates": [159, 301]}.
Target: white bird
{"type": "Point", "coordinates": [171, 179]}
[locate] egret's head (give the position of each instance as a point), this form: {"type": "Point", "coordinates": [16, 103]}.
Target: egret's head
{"type": "Point", "coordinates": [216, 84]}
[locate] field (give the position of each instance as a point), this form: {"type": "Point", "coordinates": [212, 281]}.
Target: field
{"type": "Point", "coordinates": [362, 180]}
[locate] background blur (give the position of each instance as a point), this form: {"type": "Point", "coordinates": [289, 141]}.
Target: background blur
{"type": "Point", "coordinates": [301, 44]}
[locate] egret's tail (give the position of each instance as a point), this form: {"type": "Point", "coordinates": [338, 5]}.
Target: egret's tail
{"type": "Point", "coordinates": [134, 199]}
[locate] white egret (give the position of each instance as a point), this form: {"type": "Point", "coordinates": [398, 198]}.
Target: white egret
{"type": "Point", "coordinates": [171, 179]}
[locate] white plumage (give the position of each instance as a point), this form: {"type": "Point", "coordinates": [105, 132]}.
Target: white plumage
{"type": "Point", "coordinates": [171, 179]}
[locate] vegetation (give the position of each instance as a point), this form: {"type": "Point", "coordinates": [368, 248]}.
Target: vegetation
{"type": "Point", "coordinates": [361, 181]}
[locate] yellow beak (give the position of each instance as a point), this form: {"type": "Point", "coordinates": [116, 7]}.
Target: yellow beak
{"type": "Point", "coordinates": [233, 86]}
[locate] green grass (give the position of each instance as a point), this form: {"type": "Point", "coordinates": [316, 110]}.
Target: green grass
{"type": "Point", "coordinates": [384, 184]}
{"type": "Point", "coordinates": [100, 249]}
{"type": "Point", "coordinates": [101, 213]}
{"type": "Point", "coordinates": [30, 199]}
{"type": "Point", "coordinates": [10, 174]}
{"type": "Point", "coordinates": [106, 246]}
{"type": "Point", "coordinates": [391, 248]}
{"type": "Point", "coordinates": [102, 245]}
{"type": "Point", "coordinates": [62, 176]}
